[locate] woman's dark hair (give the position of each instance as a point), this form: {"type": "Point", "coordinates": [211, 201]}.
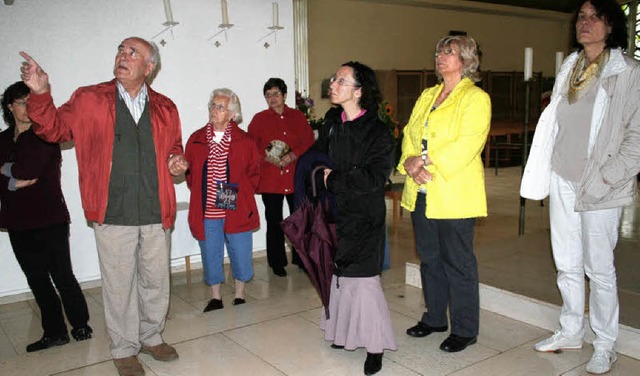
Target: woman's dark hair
{"type": "Point", "coordinates": [16, 91]}
{"type": "Point", "coordinates": [275, 82]}
{"type": "Point", "coordinates": [366, 79]}
{"type": "Point", "coordinates": [611, 13]}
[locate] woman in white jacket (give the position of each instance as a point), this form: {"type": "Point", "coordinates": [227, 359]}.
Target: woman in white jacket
{"type": "Point", "coordinates": [585, 156]}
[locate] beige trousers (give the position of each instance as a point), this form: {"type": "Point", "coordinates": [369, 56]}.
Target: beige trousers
{"type": "Point", "coordinates": [134, 262]}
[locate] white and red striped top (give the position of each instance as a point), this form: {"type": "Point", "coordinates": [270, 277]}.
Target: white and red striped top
{"type": "Point", "coordinates": [216, 169]}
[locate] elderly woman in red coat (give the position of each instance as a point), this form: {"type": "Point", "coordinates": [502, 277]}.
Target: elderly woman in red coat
{"type": "Point", "coordinates": [223, 176]}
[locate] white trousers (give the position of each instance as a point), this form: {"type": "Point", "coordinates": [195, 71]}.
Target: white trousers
{"type": "Point", "coordinates": [134, 262]}
{"type": "Point", "coordinates": [583, 242]}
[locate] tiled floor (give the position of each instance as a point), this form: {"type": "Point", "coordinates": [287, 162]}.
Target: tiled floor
{"type": "Point", "coordinates": [276, 332]}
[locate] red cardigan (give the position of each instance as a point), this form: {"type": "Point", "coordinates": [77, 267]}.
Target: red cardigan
{"type": "Point", "coordinates": [88, 118]}
{"type": "Point", "coordinates": [244, 170]}
{"type": "Point", "coordinates": [291, 127]}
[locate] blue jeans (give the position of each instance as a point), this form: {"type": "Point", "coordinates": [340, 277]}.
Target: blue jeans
{"type": "Point", "coordinates": [239, 248]}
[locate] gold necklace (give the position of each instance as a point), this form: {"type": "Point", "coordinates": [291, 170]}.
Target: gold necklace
{"type": "Point", "coordinates": [583, 75]}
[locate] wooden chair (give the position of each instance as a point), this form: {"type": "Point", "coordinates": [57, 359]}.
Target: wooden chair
{"type": "Point", "coordinates": [394, 192]}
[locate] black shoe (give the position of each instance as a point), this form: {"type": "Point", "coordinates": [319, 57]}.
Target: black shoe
{"type": "Point", "coordinates": [337, 347]}
{"type": "Point", "coordinates": [455, 343]}
{"type": "Point", "coordinates": [238, 301]}
{"type": "Point", "coordinates": [373, 364]}
{"type": "Point", "coordinates": [46, 342]}
{"type": "Point", "coordinates": [82, 333]}
{"type": "Point", "coordinates": [279, 271]}
{"type": "Point", "coordinates": [213, 305]}
{"type": "Point", "coordinates": [423, 330]}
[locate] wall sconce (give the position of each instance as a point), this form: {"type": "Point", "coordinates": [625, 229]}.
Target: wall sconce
{"type": "Point", "coordinates": [225, 25]}
{"type": "Point", "coordinates": [275, 24]}
{"type": "Point", "coordinates": [169, 23]}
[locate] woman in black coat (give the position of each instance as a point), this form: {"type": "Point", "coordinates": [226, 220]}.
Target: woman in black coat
{"type": "Point", "coordinates": [361, 150]}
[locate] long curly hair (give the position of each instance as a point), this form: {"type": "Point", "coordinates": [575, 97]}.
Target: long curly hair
{"type": "Point", "coordinates": [366, 79]}
{"type": "Point", "coordinates": [17, 90]}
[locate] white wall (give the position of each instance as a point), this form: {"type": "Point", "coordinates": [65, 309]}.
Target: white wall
{"type": "Point", "coordinates": [75, 41]}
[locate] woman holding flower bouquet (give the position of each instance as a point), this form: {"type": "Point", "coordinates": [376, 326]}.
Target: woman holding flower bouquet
{"type": "Point", "coordinates": [284, 135]}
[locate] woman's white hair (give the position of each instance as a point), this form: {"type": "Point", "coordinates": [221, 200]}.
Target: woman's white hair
{"type": "Point", "coordinates": [234, 102]}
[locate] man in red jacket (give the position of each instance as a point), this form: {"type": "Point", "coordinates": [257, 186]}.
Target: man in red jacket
{"type": "Point", "coordinates": [284, 134]}
{"type": "Point", "coordinates": [128, 144]}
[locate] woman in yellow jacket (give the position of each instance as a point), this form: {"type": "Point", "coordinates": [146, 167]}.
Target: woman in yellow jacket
{"type": "Point", "coordinates": [445, 191]}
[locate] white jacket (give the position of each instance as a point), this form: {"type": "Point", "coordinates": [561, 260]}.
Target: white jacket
{"type": "Point", "coordinates": [614, 138]}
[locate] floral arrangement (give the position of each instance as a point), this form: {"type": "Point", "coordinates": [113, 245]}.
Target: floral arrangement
{"type": "Point", "coordinates": [385, 113]}
{"type": "Point", "coordinates": [305, 105]}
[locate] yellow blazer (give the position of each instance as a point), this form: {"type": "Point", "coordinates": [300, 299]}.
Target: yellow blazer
{"type": "Point", "coordinates": [456, 135]}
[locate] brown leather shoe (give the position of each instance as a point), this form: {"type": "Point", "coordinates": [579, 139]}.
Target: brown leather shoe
{"type": "Point", "coordinates": [129, 366]}
{"type": "Point", "coordinates": [162, 352]}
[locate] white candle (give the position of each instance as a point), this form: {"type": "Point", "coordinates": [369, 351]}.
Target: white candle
{"type": "Point", "coordinates": [225, 12]}
{"type": "Point", "coordinates": [528, 63]}
{"type": "Point", "coordinates": [275, 14]}
{"type": "Point", "coordinates": [167, 11]}
{"type": "Point", "coordinates": [559, 59]}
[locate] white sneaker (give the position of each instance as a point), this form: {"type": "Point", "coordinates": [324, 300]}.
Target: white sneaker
{"type": "Point", "coordinates": [601, 361]}
{"type": "Point", "coordinates": [557, 342]}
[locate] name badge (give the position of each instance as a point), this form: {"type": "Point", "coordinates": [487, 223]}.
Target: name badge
{"type": "Point", "coordinates": [227, 195]}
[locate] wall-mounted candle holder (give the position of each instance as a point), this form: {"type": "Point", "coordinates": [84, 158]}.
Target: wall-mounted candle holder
{"type": "Point", "coordinates": [170, 23]}
{"type": "Point", "coordinates": [275, 25]}
{"type": "Point", "coordinates": [225, 25]}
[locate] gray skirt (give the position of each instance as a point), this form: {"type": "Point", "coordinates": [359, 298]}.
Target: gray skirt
{"type": "Point", "coordinates": [359, 315]}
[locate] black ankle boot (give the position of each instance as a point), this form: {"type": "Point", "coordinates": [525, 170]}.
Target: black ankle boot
{"type": "Point", "coordinates": [373, 364]}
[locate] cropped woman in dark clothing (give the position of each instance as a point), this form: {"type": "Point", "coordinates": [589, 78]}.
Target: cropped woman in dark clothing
{"type": "Point", "coordinates": [360, 148]}
{"type": "Point", "coordinates": [34, 212]}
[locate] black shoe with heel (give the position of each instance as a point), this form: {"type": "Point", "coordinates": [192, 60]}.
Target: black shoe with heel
{"type": "Point", "coordinates": [213, 305]}
{"type": "Point", "coordinates": [238, 301]}
{"type": "Point", "coordinates": [373, 364]}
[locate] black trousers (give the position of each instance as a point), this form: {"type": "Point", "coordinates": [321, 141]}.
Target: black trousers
{"type": "Point", "coordinates": [449, 271]}
{"type": "Point", "coordinates": [276, 255]}
{"type": "Point", "coordinates": [43, 255]}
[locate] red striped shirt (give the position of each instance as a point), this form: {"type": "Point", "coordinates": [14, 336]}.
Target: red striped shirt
{"type": "Point", "coordinates": [216, 170]}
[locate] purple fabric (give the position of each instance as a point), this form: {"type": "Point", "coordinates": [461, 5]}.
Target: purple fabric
{"type": "Point", "coordinates": [359, 315]}
{"type": "Point", "coordinates": [313, 236]}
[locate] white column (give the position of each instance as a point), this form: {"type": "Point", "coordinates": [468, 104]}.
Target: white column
{"type": "Point", "coordinates": [301, 46]}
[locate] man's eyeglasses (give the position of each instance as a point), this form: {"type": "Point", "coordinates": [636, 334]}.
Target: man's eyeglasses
{"type": "Point", "coordinates": [342, 82]}
{"type": "Point", "coordinates": [274, 94]}
{"type": "Point", "coordinates": [132, 52]}
{"type": "Point", "coordinates": [219, 108]}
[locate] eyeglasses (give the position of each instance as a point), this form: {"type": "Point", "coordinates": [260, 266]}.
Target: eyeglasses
{"type": "Point", "coordinates": [447, 51]}
{"type": "Point", "coordinates": [273, 94]}
{"type": "Point", "coordinates": [20, 102]}
{"type": "Point", "coordinates": [342, 82]}
{"type": "Point", "coordinates": [218, 107]}
{"type": "Point", "coordinates": [131, 52]}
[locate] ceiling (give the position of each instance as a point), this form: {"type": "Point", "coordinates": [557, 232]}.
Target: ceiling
{"type": "Point", "coordinates": [566, 6]}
